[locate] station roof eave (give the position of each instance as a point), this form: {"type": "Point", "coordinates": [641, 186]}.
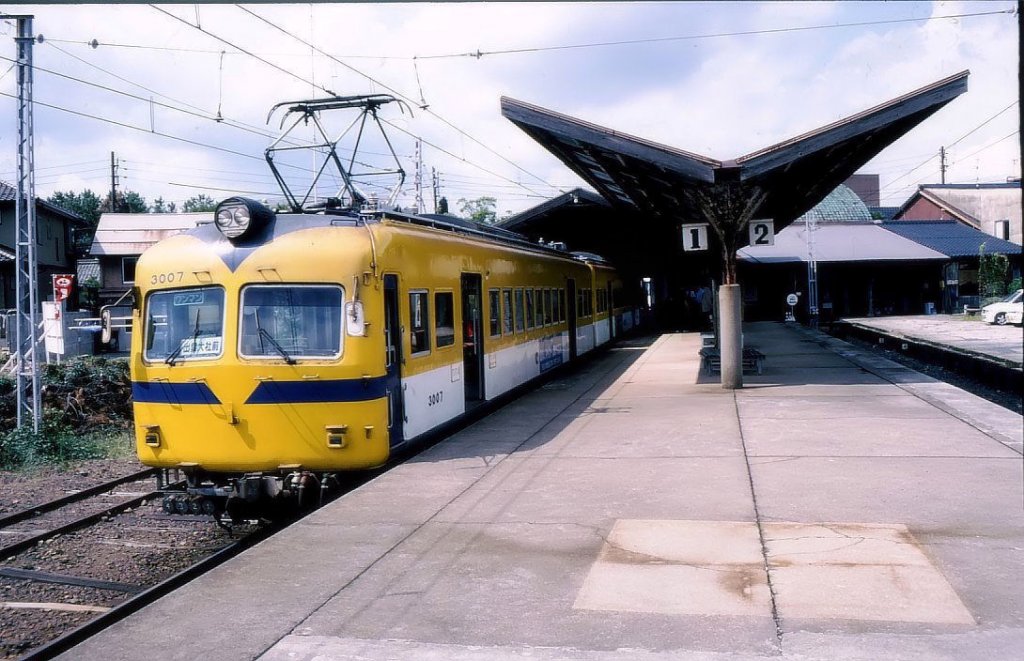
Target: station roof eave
{"type": "Point", "coordinates": [673, 185]}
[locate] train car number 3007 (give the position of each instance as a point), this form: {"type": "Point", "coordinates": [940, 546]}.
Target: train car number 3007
{"type": "Point", "coordinates": [435, 398]}
{"type": "Point", "coordinates": [163, 278]}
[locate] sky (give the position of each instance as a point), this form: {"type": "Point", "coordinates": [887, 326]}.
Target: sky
{"type": "Point", "coordinates": [720, 79]}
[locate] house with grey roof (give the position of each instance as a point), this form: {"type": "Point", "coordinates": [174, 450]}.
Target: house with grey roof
{"type": "Point", "coordinates": [992, 208]}
{"type": "Point", "coordinates": [867, 267]}
{"type": "Point", "coordinates": [122, 237]}
{"type": "Point", "coordinates": [54, 244]}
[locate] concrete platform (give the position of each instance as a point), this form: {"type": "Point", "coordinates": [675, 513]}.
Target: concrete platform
{"type": "Point", "coordinates": [839, 506]}
{"type": "Point", "coordinates": [1003, 344]}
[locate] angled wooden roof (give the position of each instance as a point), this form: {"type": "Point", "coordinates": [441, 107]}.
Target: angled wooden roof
{"type": "Point", "coordinates": [670, 184]}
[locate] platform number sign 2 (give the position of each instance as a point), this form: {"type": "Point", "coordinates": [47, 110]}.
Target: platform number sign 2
{"type": "Point", "coordinates": [762, 232]}
{"type": "Point", "coordinates": [695, 237]}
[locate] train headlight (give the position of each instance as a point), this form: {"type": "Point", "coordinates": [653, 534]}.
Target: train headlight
{"type": "Point", "coordinates": [238, 217]}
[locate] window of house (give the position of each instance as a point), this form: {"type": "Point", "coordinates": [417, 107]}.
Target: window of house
{"type": "Point", "coordinates": [494, 298]}
{"type": "Point", "coordinates": [506, 310]}
{"type": "Point", "coordinates": [419, 319]}
{"type": "Point", "coordinates": [128, 269]}
{"type": "Point", "coordinates": [519, 311]}
{"type": "Point", "coordinates": [444, 315]}
{"type": "Point", "coordinates": [1002, 229]}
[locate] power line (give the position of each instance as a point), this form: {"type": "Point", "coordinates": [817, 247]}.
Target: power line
{"type": "Point", "coordinates": [67, 165]}
{"type": "Point", "coordinates": [1015, 102]}
{"type": "Point", "coordinates": [962, 158]}
{"type": "Point", "coordinates": [651, 40]}
{"type": "Point", "coordinates": [137, 128]}
{"type": "Point", "coordinates": [933, 156]}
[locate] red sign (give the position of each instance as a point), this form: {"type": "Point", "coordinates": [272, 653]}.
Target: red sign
{"type": "Point", "coordinates": [62, 287]}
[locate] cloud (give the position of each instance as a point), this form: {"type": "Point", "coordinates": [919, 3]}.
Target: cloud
{"type": "Point", "coordinates": [723, 96]}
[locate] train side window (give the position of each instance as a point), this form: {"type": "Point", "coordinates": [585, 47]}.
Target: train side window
{"type": "Point", "coordinates": [494, 297]}
{"type": "Point", "coordinates": [556, 306]}
{"type": "Point", "coordinates": [419, 319]}
{"type": "Point", "coordinates": [580, 312]}
{"type": "Point", "coordinates": [444, 315]}
{"type": "Point", "coordinates": [561, 305]}
{"type": "Point", "coordinates": [538, 302]}
{"type": "Point", "coordinates": [506, 310]}
{"type": "Point", "coordinates": [519, 311]}
{"type": "Point", "coordinates": [529, 309]}
{"type": "Point", "coordinates": [590, 303]}
{"type": "Point", "coordinates": [547, 307]}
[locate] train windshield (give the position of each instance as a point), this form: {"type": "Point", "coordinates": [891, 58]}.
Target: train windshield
{"type": "Point", "coordinates": [291, 321]}
{"type": "Point", "coordinates": [185, 324]}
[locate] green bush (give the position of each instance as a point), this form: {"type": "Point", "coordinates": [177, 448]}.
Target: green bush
{"type": "Point", "coordinates": [86, 413]}
{"type": "Point", "coordinates": [55, 442]}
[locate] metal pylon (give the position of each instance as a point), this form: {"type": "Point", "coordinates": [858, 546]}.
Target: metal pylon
{"type": "Point", "coordinates": [30, 409]}
{"type": "Point", "coordinates": [810, 226]}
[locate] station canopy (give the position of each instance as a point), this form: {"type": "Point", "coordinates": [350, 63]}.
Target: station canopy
{"type": "Point", "coordinates": [664, 186]}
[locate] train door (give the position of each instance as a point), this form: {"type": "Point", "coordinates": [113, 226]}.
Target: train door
{"type": "Point", "coordinates": [393, 360]}
{"type": "Point", "coordinates": [472, 338]}
{"type": "Point", "coordinates": [611, 312]}
{"type": "Point", "coordinates": [570, 314]}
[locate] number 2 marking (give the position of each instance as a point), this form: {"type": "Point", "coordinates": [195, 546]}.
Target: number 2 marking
{"type": "Point", "coordinates": [761, 231]}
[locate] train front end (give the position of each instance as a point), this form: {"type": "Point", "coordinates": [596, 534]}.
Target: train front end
{"type": "Point", "coordinates": [257, 359]}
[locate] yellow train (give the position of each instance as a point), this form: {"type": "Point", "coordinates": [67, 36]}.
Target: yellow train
{"type": "Point", "coordinates": [271, 350]}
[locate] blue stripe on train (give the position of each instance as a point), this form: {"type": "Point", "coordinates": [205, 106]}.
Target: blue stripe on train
{"type": "Point", "coordinates": [266, 392]}
{"type": "Point", "coordinates": [162, 392]}
{"type": "Point", "coordinates": [306, 392]}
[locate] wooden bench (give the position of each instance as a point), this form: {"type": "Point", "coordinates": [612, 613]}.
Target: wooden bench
{"type": "Point", "coordinates": [711, 360]}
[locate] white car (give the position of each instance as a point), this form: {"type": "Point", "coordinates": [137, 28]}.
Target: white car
{"type": "Point", "coordinates": [1010, 310]}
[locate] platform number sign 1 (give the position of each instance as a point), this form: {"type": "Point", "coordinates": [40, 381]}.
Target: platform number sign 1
{"type": "Point", "coordinates": [762, 232]}
{"type": "Point", "coordinates": [695, 237]}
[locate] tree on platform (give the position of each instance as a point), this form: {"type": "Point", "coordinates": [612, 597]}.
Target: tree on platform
{"type": "Point", "coordinates": [993, 269]}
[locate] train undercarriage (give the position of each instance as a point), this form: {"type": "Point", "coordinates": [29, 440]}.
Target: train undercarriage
{"type": "Point", "coordinates": [241, 497]}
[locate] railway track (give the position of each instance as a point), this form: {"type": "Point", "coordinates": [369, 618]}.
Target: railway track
{"type": "Point", "coordinates": [74, 565]}
{"type": "Point", "coordinates": [63, 584]}
{"type": "Point", "coordinates": [64, 524]}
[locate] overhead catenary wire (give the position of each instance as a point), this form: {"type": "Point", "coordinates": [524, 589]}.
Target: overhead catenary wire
{"type": "Point", "coordinates": [198, 112]}
{"type": "Point", "coordinates": [94, 43]}
{"type": "Point", "coordinates": [406, 97]}
{"type": "Point", "coordinates": [331, 92]}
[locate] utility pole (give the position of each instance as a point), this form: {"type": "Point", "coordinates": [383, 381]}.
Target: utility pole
{"type": "Point", "coordinates": [113, 183]}
{"type": "Point", "coordinates": [942, 163]}
{"type": "Point", "coordinates": [418, 178]}
{"type": "Point", "coordinates": [30, 409]}
{"type": "Point", "coordinates": [435, 185]}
